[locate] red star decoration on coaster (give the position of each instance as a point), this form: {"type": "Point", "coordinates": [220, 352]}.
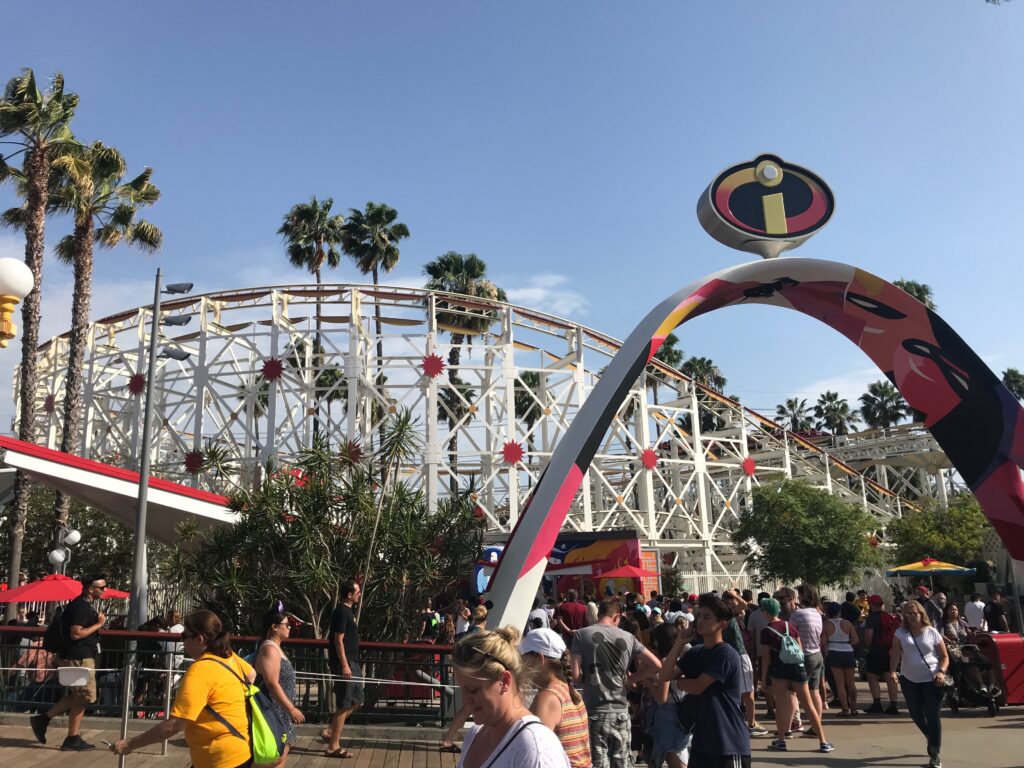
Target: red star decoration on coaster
{"type": "Point", "coordinates": [49, 404]}
{"type": "Point", "coordinates": [272, 369]}
{"type": "Point", "coordinates": [748, 466]}
{"type": "Point", "coordinates": [649, 458]}
{"type": "Point", "coordinates": [193, 462]}
{"type": "Point", "coordinates": [136, 383]}
{"type": "Point", "coordinates": [512, 452]}
{"type": "Point", "coordinates": [433, 365]}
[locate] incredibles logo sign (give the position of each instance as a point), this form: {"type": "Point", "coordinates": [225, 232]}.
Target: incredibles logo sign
{"type": "Point", "coordinates": [765, 206]}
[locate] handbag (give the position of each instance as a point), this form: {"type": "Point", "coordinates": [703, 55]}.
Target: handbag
{"type": "Point", "coordinates": [947, 680]}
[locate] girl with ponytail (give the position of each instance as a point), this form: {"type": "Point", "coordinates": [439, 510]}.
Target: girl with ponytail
{"type": "Point", "coordinates": [558, 705]}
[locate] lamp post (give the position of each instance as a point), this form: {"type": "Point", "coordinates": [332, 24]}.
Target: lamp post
{"type": "Point", "coordinates": [140, 575]}
{"type": "Point", "coordinates": [16, 282]}
{"type": "Point", "coordinates": [60, 555]}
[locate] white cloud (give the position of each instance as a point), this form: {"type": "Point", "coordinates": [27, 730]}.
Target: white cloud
{"type": "Point", "coordinates": [546, 292]}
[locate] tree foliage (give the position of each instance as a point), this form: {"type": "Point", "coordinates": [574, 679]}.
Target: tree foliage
{"type": "Point", "coordinates": [1013, 380]}
{"type": "Point", "coordinates": [834, 413]}
{"type": "Point", "coordinates": [920, 291]}
{"type": "Point", "coordinates": [796, 532]}
{"type": "Point", "coordinates": [311, 526]}
{"type": "Point", "coordinates": [882, 406]}
{"type": "Point", "coordinates": [955, 534]}
{"type": "Point", "coordinates": [795, 414]}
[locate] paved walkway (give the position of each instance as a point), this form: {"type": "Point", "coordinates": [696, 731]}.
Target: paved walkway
{"type": "Point", "coordinates": [971, 739]}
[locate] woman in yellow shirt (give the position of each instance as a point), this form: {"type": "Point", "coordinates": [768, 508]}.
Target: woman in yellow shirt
{"type": "Point", "coordinates": [208, 696]}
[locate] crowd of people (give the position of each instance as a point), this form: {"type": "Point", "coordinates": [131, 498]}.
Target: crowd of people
{"type": "Point", "coordinates": [587, 682]}
{"type": "Point", "coordinates": [673, 681]}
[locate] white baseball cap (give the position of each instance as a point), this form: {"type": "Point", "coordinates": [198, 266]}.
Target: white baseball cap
{"type": "Point", "coordinates": [544, 641]}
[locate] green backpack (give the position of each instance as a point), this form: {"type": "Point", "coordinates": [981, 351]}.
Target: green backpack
{"type": "Point", "coordinates": [268, 735]}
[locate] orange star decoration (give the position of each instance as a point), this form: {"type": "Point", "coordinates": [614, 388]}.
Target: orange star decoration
{"type": "Point", "coordinates": [512, 452]}
{"type": "Point", "coordinates": [748, 467]}
{"type": "Point", "coordinates": [649, 458]}
{"type": "Point", "coordinates": [433, 365]}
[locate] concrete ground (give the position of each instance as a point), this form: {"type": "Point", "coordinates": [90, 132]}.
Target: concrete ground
{"type": "Point", "coordinates": [971, 739]}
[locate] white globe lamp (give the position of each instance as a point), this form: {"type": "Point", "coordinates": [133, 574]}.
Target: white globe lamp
{"type": "Point", "coordinates": [72, 537]}
{"type": "Point", "coordinates": [16, 283]}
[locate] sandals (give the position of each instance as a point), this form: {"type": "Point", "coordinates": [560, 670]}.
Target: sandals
{"type": "Point", "coordinates": [340, 753]}
{"type": "Point", "coordinates": [451, 748]}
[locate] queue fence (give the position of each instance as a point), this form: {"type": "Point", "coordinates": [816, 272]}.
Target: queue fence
{"type": "Point", "coordinates": [137, 675]}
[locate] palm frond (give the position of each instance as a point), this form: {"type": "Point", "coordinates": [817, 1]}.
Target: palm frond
{"type": "Point", "coordinates": [14, 218]}
{"type": "Point", "coordinates": [65, 249]}
{"type": "Point", "coordinates": [146, 236]}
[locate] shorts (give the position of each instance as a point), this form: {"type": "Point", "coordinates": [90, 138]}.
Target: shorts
{"type": "Point", "coordinates": [878, 661]}
{"type": "Point", "coordinates": [610, 736]}
{"type": "Point", "coordinates": [746, 674]}
{"type": "Point", "coordinates": [699, 760]}
{"type": "Point", "coordinates": [348, 694]}
{"type": "Point", "coordinates": [795, 673]}
{"type": "Point", "coordinates": [814, 664]}
{"type": "Point", "coordinates": [86, 692]}
{"type": "Point", "coordinates": [841, 660]}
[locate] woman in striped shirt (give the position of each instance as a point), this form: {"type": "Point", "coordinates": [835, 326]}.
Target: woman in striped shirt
{"type": "Point", "coordinates": [558, 705]}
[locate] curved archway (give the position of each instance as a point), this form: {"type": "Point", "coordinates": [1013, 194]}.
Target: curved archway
{"type": "Point", "coordinates": [975, 419]}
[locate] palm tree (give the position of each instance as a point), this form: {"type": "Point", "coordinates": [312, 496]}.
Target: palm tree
{"type": "Point", "coordinates": [834, 413]}
{"type": "Point", "coordinates": [371, 238]}
{"type": "Point", "coordinates": [90, 185]}
{"type": "Point", "coordinates": [1013, 380]}
{"type": "Point", "coordinates": [311, 235]}
{"type": "Point", "coordinates": [36, 124]}
{"type": "Point", "coordinates": [920, 291]}
{"type": "Point", "coordinates": [882, 406]}
{"type": "Point", "coordinates": [467, 275]}
{"type": "Point", "coordinates": [704, 371]}
{"type": "Point", "coordinates": [796, 412]}
{"type": "Point", "coordinates": [668, 354]}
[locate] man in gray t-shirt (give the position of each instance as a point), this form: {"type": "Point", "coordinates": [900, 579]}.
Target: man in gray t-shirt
{"type": "Point", "coordinates": [601, 655]}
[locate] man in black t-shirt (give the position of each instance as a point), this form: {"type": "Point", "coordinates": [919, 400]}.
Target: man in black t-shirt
{"type": "Point", "coordinates": [711, 675]}
{"type": "Point", "coordinates": [343, 658]}
{"type": "Point", "coordinates": [995, 613]}
{"type": "Point", "coordinates": [80, 623]}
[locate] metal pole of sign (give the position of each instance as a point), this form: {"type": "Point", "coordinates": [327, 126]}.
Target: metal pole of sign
{"type": "Point", "coordinates": [126, 701]}
{"type": "Point", "coordinates": [140, 576]}
{"type": "Point", "coordinates": [167, 694]}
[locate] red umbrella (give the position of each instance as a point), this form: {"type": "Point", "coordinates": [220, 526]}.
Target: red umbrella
{"type": "Point", "coordinates": [115, 594]}
{"type": "Point", "coordinates": [54, 588]}
{"type": "Point", "coordinates": [628, 572]}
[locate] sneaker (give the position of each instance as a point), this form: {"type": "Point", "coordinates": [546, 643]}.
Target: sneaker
{"type": "Point", "coordinates": [935, 762]}
{"type": "Point", "coordinates": [779, 745]}
{"type": "Point", "coordinates": [76, 744]}
{"type": "Point", "coordinates": [892, 709]}
{"type": "Point", "coordinates": [39, 724]}
{"type": "Point", "coordinates": [770, 714]}
{"type": "Point", "coordinates": [826, 746]}
{"type": "Point", "coordinates": [874, 709]}
{"type": "Point", "coordinates": [758, 730]}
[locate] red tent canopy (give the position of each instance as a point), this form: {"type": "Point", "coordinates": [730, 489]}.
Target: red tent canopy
{"type": "Point", "coordinates": [54, 588]}
{"type": "Point", "coordinates": [628, 572]}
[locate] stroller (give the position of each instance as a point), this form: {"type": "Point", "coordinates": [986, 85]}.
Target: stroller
{"type": "Point", "coordinates": [974, 681]}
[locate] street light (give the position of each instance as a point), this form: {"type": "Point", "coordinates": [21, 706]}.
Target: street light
{"type": "Point", "coordinates": [16, 282]}
{"type": "Point", "coordinates": [140, 577]}
{"type": "Point", "coordinates": [60, 555]}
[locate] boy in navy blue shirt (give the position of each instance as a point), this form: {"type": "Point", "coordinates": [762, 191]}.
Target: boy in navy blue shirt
{"type": "Point", "coordinates": [710, 673]}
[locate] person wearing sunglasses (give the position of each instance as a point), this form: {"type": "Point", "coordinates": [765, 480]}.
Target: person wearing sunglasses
{"type": "Point", "coordinates": [210, 706]}
{"type": "Point", "coordinates": [491, 673]}
{"type": "Point", "coordinates": [80, 624]}
{"type": "Point", "coordinates": [276, 675]}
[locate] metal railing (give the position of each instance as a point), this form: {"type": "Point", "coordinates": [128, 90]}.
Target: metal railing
{"type": "Point", "coordinates": [405, 683]}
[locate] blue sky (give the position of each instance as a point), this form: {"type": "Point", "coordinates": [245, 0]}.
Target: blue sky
{"type": "Point", "coordinates": [566, 144]}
